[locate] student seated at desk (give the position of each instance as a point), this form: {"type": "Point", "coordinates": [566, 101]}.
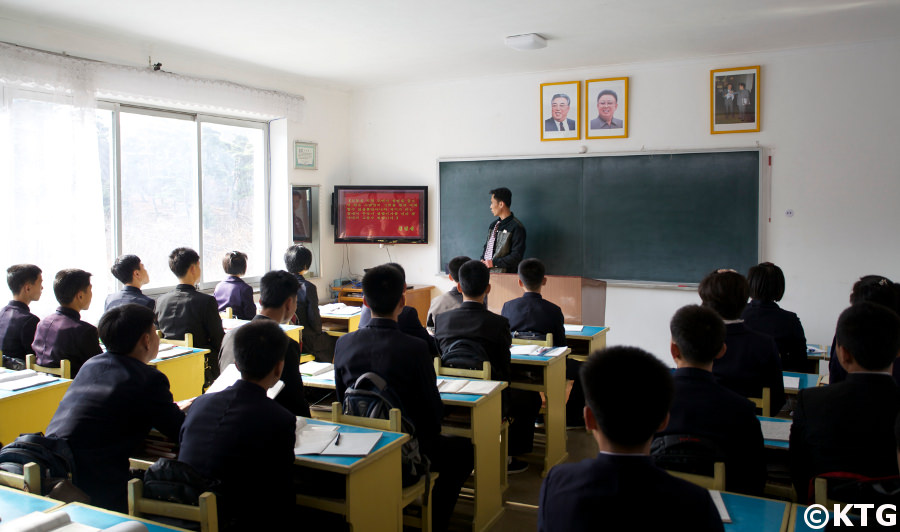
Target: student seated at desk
{"type": "Point", "coordinates": [17, 323]}
{"type": "Point", "coordinates": [63, 334]}
{"type": "Point", "coordinates": [130, 271]}
{"type": "Point", "coordinates": [113, 403]}
{"type": "Point", "coordinates": [751, 361]}
{"type": "Point", "coordinates": [628, 392]}
{"type": "Point", "coordinates": [763, 315]}
{"type": "Point", "coordinates": [849, 426]}
{"type": "Point", "coordinates": [185, 310]}
{"type": "Point", "coordinates": [452, 298]}
{"type": "Point", "coordinates": [408, 321]}
{"type": "Point", "coordinates": [404, 362]}
{"type": "Point", "coordinates": [233, 291]}
{"type": "Point", "coordinates": [702, 407]}
{"type": "Point", "coordinates": [297, 260]}
{"type": "Point", "coordinates": [278, 299]}
{"type": "Point", "coordinates": [245, 439]}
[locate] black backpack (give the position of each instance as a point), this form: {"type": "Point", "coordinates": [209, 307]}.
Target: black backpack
{"type": "Point", "coordinates": [464, 353]}
{"type": "Point", "coordinates": [52, 455]}
{"type": "Point", "coordinates": [371, 397]}
{"type": "Point", "coordinates": [686, 453]}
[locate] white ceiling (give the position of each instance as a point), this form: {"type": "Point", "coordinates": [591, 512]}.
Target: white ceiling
{"type": "Point", "coordinates": [359, 43]}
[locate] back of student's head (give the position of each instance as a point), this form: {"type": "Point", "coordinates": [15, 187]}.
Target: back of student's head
{"type": "Point", "coordinates": [726, 292]}
{"type": "Point", "coordinates": [235, 263]}
{"type": "Point", "coordinates": [399, 268]}
{"type": "Point", "coordinates": [258, 347]}
{"type": "Point", "coordinates": [698, 332]}
{"type": "Point", "coordinates": [382, 288]}
{"type": "Point", "coordinates": [766, 282]}
{"type": "Point", "coordinates": [503, 194]}
{"type": "Point", "coordinates": [871, 333]}
{"type": "Point", "coordinates": [531, 273]}
{"type": "Point", "coordinates": [124, 267]}
{"type": "Point", "coordinates": [121, 327]}
{"type": "Point", "coordinates": [875, 289]}
{"type": "Point", "coordinates": [181, 260]}
{"type": "Point", "coordinates": [68, 283]}
{"type": "Point", "coordinates": [453, 266]}
{"type": "Point", "coordinates": [18, 275]}
{"type": "Point", "coordinates": [297, 259]}
{"type": "Point", "coordinates": [474, 278]}
{"type": "Point", "coordinates": [629, 391]}
{"type": "Point", "coordinates": [276, 287]}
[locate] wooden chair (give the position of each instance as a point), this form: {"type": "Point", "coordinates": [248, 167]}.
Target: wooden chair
{"type": "Point", "coordinates": [764, 402]}
{"type": "Point", "coordinates": [715, 482]}
{"type": "Point", "coordinates": [187, 342]}
{"type": "Point", "coordinates": [227, 314]}
{"type": "Point", "coordinates": [308, 357]}
{"type": "Point", "coordinates": [417, 493]}
{"type": "Point", "coordinates": [483, 374]}
{"type": "Point", "coordinates": [823, 380]}
{"type": "Point", "coordinates": [206, 513]}
{"type": "Point", "coordinates": [64, 370]}
{"type": "Point", "coordinates": [546, 342]}
{"type": "Point", "coordinates": [29, 480]}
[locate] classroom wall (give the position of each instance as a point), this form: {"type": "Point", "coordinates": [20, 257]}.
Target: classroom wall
{"type": "Point", "coordinates": [829, 120]}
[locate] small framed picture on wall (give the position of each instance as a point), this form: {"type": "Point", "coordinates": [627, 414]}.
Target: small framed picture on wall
{"type": "Point", "coordinates": [734, 100]}
{"type": "Point", "coordinates": [306, 155]}
{"type": "Point", "coordinates": [606, 110]}
{"type": "Point", "coordinates": [560, 110]}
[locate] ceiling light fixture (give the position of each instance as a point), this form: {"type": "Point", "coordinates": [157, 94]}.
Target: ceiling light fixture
{"type": "Point", "coordinates": [526, 41]}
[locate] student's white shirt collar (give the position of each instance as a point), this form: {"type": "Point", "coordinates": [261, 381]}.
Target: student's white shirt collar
{"type": "Point", "coordinates": [729, 322]}
{"type": "Point", "coordinates": [622, 454]}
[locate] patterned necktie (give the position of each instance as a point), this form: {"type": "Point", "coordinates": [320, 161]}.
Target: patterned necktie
{"type": "Point", "coordinates": [561, 128]}
{"type": "Point", "coordinates": [489, 250]}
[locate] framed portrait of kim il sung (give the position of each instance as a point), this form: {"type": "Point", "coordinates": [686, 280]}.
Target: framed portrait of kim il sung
{"type": "Point", "coordinates": [606, 108]}
{"type": "Point", "coordinates": [560, 110]}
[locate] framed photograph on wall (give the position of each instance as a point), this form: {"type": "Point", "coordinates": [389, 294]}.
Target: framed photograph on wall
{"type": "Point", "coordinates": [301, 207]}
{"type": "Point", "coordinates": [306, 155]}
{"type": "Point", "coordinates": [606, 108]}
{"type": "Point", "coordinates": [560, 110]}
{"type": "Point", "coordinates": [734, 100]}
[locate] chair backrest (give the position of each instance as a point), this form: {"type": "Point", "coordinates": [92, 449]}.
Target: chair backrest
{"type": "Point", "coordinates": [694, 458]}
{"type": "Point", "coordinates": [546, 342]}
{"type": "Point", "coordinates": [484, 373]}
{"type": "Point", "coordinates": [29, 480]}
{"type": "Point", "coordinates": [392, 424]}
{"type": "Point", "coordinates": [764, 402]}
{"type": "Point", "coordinates": [64, 370]}
{"type": "Point", "coordinates": [851, 488]}
{"type": "Point", "coordinates": [206, 513]}
{"type": "Point", "coordinates": [227, 314]}
{"type": "Point", "coordinates": [187, 342]}
{"type": "Point", "coordinates": [715, 482]}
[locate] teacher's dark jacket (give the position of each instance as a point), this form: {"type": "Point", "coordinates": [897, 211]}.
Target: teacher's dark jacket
{"type": "Point", "coordinates": [509, 246]}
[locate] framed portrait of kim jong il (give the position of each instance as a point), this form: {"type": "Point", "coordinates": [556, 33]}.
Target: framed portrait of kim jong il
{"type": "Point", "coordinates": [606, 108]}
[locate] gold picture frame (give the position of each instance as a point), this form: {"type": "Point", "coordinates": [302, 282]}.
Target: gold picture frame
{"type": "Point", "coordinates": [607, 101]}
{"type": "Point", "coordinates": [560, 107]}
{"type": "Point", "coordinates": [734, 96]}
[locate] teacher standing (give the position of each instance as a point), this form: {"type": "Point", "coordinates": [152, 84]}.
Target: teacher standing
{"type": "Point", "coordinates": [505, 245]}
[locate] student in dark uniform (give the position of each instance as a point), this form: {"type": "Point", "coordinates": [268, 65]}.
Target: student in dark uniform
{"type": "Point", "coordinates": [233, 291]}
{"type": "Point", "coordinates": [621, 489]}
{"type": "Point", "coordinates": [450, 299]}
{"type": "Point", "coordinates": [408, 321]}
{"type": "Point", "coordinates": [297, 260]}
{"type": "Point", "coordinates": [63, 335]}
{"type": "Point", "coordinates": [764, 315]}
{"type": "Point", "coordinates": [17, 323]}
{"type": "Point", "coordinates": [113, 403]}
{"type": "Point", "coordinates": [130, 271]}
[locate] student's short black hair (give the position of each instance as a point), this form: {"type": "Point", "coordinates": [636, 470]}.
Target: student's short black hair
{"type": "Point", "coordinates": [453, 266]}
{"type": "Point", "coordinates": [629, 391]}
{"type": "Point", "coordinates": [876, 289]}
{"type": "Point", "coordinates": [68, 283]}
{"type": "Point", "coordinates": [383, 287]}
{"type": "Point", "coordinates": [124, 267]}
{"type": "Point", "coordinates": [766, 282]}
{"type": "Point", "coordinates": [611, 92]}
{"type": "Point", "coordinates": [276, 287]}
{"type": "Point", "coordinates": [400, 269]}
{"type": "Point", "coordinates": [235, 263]}
{"type": "Point", "coordinates": [18, 275]}
{"type": "Point", "coordinates": [503, 194]}
{"type": "Point", "coordinates": [871, 333]}
{"type": "Point", "coordinates": [726, 292]}
{"type": "Point", "coordinates": [698, 332]}
{"type": "Point", "coordinates": [258, 347]}
{"type": "Point", "coordinates": [121, 327]}
{"type": "Point", "coordinates": [531, 273]}
{"type": "Point", "coordinates": [474, 278]}
{"type": "Point", "coordinates": [181, 260]}
{"type": "Point", "coordinates": [297, 259]}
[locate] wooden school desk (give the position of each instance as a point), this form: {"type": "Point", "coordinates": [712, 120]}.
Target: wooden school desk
{"type": "Point", "coordinates": [16, 503]}
{"type": "Point", "coordinates": [100, 518]}
{"type": "Point", "coordinates": [373, 483]}
{"type": "Point", "coordinates": [586, 341]}
{"type": "Point", "coordinates": [755, 514]}
{"type": "Point", "coordinates": [552, 383]}
{"type": "Point", "coordinates": [293, 331]}
{"type": "Point", "coordinates": [29, 410]}
{"type": "Point", "coordinates": [807, 380]}
{"type": "Point", "coordinates": [185, 373]}
{"type": "Point", "coordinates": [335, 325]}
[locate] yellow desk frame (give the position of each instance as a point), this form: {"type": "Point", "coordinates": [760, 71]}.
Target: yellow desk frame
{"type": "Point", "coordinates": [351, 321]}
{"type": "Point", "coordinates": [29, 410]}
{"type": "Point", "coordinates": [185, 373]}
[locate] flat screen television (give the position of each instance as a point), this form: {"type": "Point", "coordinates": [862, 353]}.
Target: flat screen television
{"type": "Point", "coordinates": [380, 214]}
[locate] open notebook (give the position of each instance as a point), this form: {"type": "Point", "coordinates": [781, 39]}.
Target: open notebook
{"type": "Point", "coordinates": [230, 375]}
{"type": "Point", "coordinates": [327, 440]}
{"type": "Point", "coordinates": [59, 521]}
{"type": "Point", "coordinates": [12, 381]}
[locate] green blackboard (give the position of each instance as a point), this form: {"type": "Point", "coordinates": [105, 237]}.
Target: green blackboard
{"type": "Point", "coordinates": [668, 218]}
